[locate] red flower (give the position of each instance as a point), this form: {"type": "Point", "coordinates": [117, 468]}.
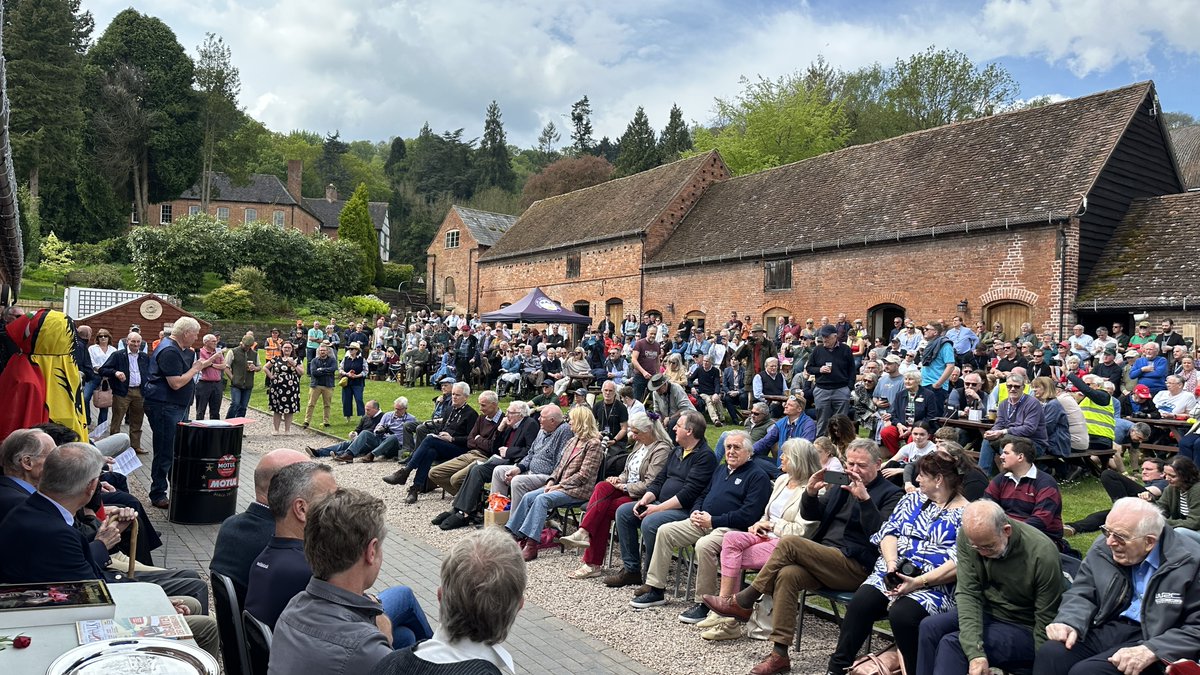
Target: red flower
{"type": "Point", "coordinates": [22, 641]}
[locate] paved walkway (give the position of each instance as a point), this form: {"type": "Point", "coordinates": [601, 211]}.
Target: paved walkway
{"type": "Point", "coordinates": [539, 642]}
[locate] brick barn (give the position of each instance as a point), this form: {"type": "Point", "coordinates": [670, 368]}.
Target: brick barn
{"type": "Point", "coordinates": [1006, 215]}
{"type": "Point", "coordinates": [452, 259]}
{"type": "Point", "coordinates": [150, 312]}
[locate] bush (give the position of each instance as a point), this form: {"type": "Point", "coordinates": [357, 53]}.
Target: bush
{"type": "Point", "coordinates": [365, 305]}
{"type": "Point", "coordinates": [113, 251]}
{"type": "Point", "coordinates": [320, 309]}
{"type": "Point", "coordinates": [266, 302]}
{"type": "Point", "coordinates": [395, 274]}
{"type": "Point", "coordinates": [230, 301]}
{"type": "Point", "coordinates": [96, 276]}
{"type": "Point", "coordinates": [205, 316]}
{"type": "Point", "coordinates": [172, 259]}
{"type": "Point", "coordinates": [334, 270]}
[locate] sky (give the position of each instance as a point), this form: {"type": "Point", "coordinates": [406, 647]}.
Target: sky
{"type": "Point", "coordinates": [375, 69]}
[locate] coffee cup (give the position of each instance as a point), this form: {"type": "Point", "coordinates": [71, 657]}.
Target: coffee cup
{"type": "Point", "coordinates": [975, 415]}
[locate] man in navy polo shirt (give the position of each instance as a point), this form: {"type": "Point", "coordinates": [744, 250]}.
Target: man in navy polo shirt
{"type": "Point", "coordinates": [168, 395]}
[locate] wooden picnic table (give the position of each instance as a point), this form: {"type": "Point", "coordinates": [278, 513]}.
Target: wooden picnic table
{"type": "Point", "coordinates": [963, 423]}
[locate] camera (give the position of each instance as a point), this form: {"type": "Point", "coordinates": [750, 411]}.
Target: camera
{"type": "Point", "coordinates": [905, 567]}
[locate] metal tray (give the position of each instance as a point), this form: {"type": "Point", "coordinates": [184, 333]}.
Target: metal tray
{"type": "Point", "coordinates": [135, 656]}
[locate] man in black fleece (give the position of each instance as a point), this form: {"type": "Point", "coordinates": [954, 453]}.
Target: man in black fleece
{"type": "Point", "coordinates": [681, 483]}
{"type": "Point", "coordinates": [832, 363]}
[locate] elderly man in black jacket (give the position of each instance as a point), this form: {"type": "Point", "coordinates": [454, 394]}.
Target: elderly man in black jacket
{"type": "Point", "coordinates": [838, 556]}
{"type": "Point", "coordinates": [126, 376]}
{"type": "Point", "coordinates": [448, 441]}
{"type": "Point", "coordinates": [680, 485]}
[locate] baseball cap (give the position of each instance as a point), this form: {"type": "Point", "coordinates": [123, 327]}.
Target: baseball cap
{"type": "Point", "coordinates": [892, 358]}
{"type": "Point", "coordinates": [826, 331]}
{"type": "Point", "coordinates": [1142, 390]}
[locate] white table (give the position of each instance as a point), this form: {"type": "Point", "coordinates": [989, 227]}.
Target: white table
{"type": "Point", "coordinates": [50, 642]}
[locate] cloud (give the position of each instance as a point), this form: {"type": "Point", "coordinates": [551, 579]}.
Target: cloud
{"type": "Point", "coordinates": [378, 68]}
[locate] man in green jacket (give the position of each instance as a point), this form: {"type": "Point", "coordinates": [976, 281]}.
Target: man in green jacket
{"type": "Point", "coordinates": [1009, 585]}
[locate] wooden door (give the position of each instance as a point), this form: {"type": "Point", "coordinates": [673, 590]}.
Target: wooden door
{"type": "Point", "coordinates": [1010, 315]}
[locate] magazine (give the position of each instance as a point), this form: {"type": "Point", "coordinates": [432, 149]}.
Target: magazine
{"type": "Point", "coordinates": [165, 626]}
{"type": "Point", "coordinates": [47, 604]}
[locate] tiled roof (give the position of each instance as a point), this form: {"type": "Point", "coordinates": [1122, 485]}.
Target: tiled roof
{"type": "Point", "coordinates": [1187, 152]}
{"type": "Point", "coordinates": [1149, 262]}
{"type": "Point", "coordinates": [1012, 167]}
{"type": "Point", "coordinates": [485, 227]}
{"type": "Point", "coordinates": [262, 189]}
{"type": "Point", "coordinates": [328, 211]}
{"type": "Point", "coordinates": [625, 206]}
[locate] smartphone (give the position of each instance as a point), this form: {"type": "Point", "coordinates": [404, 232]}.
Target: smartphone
{"type": "Point", "coordinates": [836, 478]}
{"type": "Point", "coordinates": [639, 509]}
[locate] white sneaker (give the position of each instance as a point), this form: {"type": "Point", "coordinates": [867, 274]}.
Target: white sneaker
{"type": "Point", "coordinates": [711, 620]}
{"type": "Point", "coordinates": [577, 539]}
{"type": "Point", "coordinates": [727, 629]}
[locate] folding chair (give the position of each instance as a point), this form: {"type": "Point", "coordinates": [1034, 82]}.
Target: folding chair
{"type": "Point", "coordinates": [229, 625]}
{"type": "Point", "coordinates": [258, 644]}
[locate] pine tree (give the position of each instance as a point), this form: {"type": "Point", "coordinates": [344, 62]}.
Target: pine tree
{"type": "Point", "coordinates": [329, 165]}
{"type": "Point", "coordinates": [581, 117]}
{"type": "Point", "coordinates": [547, 147]}
{"type": "Point", "coordinates": [493, 162]}
{"type": "Point", "coordinates": [396, 165]}
{"type": "Point", "coordinates": [639, 149]}
{"type": "Point", "coordinates": [675, 139]}
{"type": "Point", "coordinates": [354, 224]}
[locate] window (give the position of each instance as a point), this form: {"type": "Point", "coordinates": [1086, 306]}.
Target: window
{"type": "Point", "coordinates": [164, 214]}
{"type": "Point", "coordinates": [572, 265]}
{"type": "Point", "coordinates": [251, 215]}
{"type": "Point", "coordinates": [223, 214]}
{"type": "Point", "coordinates": [452, 239]}
{"type": "Point", "coordinates": [448, 290]}
{"type": "Point", "coordinates": [133, 214]}
{"type": "Point", "coordinates": [193, 209]}
{"type": "Point", "coordinates": [777, 275]}
{"type": "Point", "coordinates": [278, 216]}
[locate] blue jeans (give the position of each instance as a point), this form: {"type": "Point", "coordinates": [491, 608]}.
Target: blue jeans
{"type": "Point", "coordinates": [409, 625]}
{"type": "Point", "coordinates": [363, 443]}
{"type": "Point", "coordinates": [88, 389]}
{"type": "Point", "coordinates": [239, 399]}
{"type": "Point", "coordinates": [335, 449]}
{"type": "Point", "coordinates": [390, 446]}
{"type": "Point", "coordinates": [432, 449]}
{"type": "Point", "coordinates": [628, 526]}
{"type": "Point", "coordinates": [987, 458]}
{"type": "Point", "coordinates": [352, 394]}
{"type": "Point", "coordinates": [1188, 446]}
{"type": "Point", "coordinates": [164, 419]}
{"type": "Point", "coordinates": [939, 652]}
{"type": "Point", "coordinates": [530, 516]}
{"type": "Point", "coordinates": [720, 449]}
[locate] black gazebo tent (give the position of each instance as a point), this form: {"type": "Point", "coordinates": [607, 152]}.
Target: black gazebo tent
{"type": "Point", "coordinates": [535, 308]}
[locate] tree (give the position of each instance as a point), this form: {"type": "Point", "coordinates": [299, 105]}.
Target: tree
{"type": "Point", "coordinates": [1178, 118]}
{"type": "Point", "coordinates": [639, 146]}
{"type": "Point", "coordinates": [676, 139]}
{"type": "Point", "coordinates": [396, 165]}
{"type": "Point", "coordinates": [773, 122]}
{"type": "Point", "coordinates": [173, 259]}
{"type": "Point", "coordinates": [150, 77]}
{"type": "Point", "coordinates": [31, 226]}
{"type": "Point", "coordinates": [493, 164]}
{"type": "Point", "coordinates": [547, 145]}
{"type": "Point", "coordinates": [56, 256]}
{"type": "Point", "coordinates": [566, 175]}
{"type": "Point", "coordinates": [44, 42]}
{"type": "Point", "coordinates": [581, 119]}
{"type": "Point", "coordinates": [441, 164]}
{"type": "Point", "coordinates": [218, 83]}
{"type": "Point", "coordinates": [354, 224]}
{"type": "Point", "coordinates": [329, 166]}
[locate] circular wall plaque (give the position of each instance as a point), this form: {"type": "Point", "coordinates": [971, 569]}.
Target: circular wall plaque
{"type": "Point", "coordinates": [151, 310]}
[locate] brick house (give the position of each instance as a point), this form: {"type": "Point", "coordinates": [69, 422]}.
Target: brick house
{"type": "Point", "coordinates": [585, 249]}
{"type": "Point", "coordinates": [1004, 216]}
{"type": "Point", "coordinates": [452, 259]}
{"type": "Point", "coordinates": [150, 312]}
{"type": "Point", "coordinates": [265, 198]}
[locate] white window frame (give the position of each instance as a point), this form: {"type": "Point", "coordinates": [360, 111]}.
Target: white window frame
{"type": "Point", "coordinates": [164, 214]}
{"type": "Point", "coordinates": [452, 239]}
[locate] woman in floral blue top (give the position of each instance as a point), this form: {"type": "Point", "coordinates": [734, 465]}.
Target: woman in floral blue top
{"type": "Point", "coordinates": [923, 530]}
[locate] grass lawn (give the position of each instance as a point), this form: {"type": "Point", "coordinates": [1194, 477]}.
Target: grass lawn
{"type": "Point", "coordinates": [32, 289]}
{"type": "Point", "coordinates": [1079, 500]}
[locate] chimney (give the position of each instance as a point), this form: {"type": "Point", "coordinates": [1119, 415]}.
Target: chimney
{"type": "Point", "coordinates": [295, 171]}
{"type": "Point", "coordinates": [331, 193]}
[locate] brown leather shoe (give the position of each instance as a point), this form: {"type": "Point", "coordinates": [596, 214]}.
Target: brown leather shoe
{"type": "Point", "coordinates": [529, 550]}
{"type": "Point", "coordinates": [772, 665]}
{"type": "Point", "coordinates": [726, 607]}
{"type": "Point", "coordinates": [623, 578]}
{"type": "Point", "coordinates": [369, 457]}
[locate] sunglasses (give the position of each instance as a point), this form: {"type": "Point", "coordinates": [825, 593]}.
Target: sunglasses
{"type": "Point", "coordinates": [1121, 539]}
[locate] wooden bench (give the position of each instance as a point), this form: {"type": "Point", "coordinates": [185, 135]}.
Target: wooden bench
{"type": "Point", "coordinates": [1158, 449]}
{"type": "Point", "coordinates": [1083, 458]}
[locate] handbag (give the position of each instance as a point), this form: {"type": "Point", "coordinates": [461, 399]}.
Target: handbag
{"type": "Point", "coordinates": [884, 662]}
{"type": "Point", "coordinates": [103, 397]}
{"type": "Point", "coordinates": [762, 620]}
{"type": "Point", "coordinates": [344, 382]}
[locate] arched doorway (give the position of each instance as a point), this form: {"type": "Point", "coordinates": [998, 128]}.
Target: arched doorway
{"type": "Point", "coordinates": [580, 307]}
{"type": "Point", "coordinates": [654, 314]}
{"type": "Point", "coordinates": [448, 291]}
{"type": "Point", "coordinates": [881, 319]}
{"type": "Point", "coordinates": [614, 309]}
{"type": "Point", "coordinates": [697, 318]}
{"type": "Point", "coordinates": [1009, 314]}
{"type": "Point", "coordinates": [774, 318]}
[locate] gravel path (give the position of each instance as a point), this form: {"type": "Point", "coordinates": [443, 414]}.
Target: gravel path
{"type": "Point", "coordinates": [653, 637]}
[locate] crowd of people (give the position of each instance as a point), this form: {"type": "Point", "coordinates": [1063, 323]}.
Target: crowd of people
{"type": "Point", "coordinates": [848, 467]}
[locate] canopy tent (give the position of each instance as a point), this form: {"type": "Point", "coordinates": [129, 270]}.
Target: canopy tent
{"type": "Point", "coordinates": [535, 308]}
